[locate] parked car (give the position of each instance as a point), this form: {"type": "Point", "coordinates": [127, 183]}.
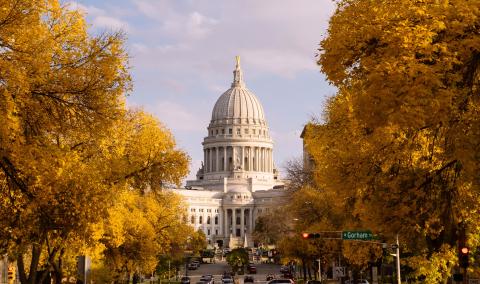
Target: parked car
{"type": "Point", "coordinates": [270, 277]}
{"type": "Point", "coordinates": [284, 269]}
{"type": "Point", "coordinates": [281, 281]}
{"type": "Point", "coordinates": [313, 282]}
{"type": "Point", "coordinates": [248, 279]}
{"type": "Point", "coordinates": [228, 280]}
{"type": "Point", "coordinates": [185, 280]}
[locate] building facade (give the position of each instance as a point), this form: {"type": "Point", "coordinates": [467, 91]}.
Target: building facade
{"type": "Point", "coordinates": [238, 180]}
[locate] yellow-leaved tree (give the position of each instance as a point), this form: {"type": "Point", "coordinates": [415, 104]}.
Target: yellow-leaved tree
{"type": "Point", "coordinates": [67, 143]}
{"type": "Point", "coordinates": [401, 138]}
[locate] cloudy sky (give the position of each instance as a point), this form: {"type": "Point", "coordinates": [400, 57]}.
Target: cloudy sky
{"type": "Point", "coordinates": [182, 58]}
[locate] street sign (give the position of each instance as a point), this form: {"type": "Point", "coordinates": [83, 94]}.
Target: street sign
{"type": "Point", "coordinates": [357, 235]}
{"type": "Point", "coordinates": [338, 271]}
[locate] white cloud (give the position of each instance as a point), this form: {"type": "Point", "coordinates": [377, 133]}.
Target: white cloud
{"type": "Point", "coordinates": [177, 116]}
{"type": "Point", "coordinates": [276, 37]}
{"type": "Point", "coordinates": [100, 18]}
{"type": "Point", "coordinates": [110, 23]}
{"type": "Point", "coordinates": [285, 63]}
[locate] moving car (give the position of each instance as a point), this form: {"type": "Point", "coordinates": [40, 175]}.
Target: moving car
{"type": "Point", "coordinates": [248, 279]}
{"type": "Point", "coordinates": [252, 269]}
{"type": "Point", "coordinates": [208, 277]}
{"type": "Point", "coordinates": [185, 280]}
{"type": "Point", "coordinates": [192, 266]}
{"type": "Point", "coordinates": [206, 280]}
{"type": "Point", "coordinates": [196, 262]}
{"type": "Point", "coordinates": [227, 280]}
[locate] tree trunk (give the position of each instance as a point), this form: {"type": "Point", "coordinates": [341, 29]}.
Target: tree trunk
{"type": "Point", "coordinates": [21, 269]}
{"type": "Point", "coordinates": [32, 276]}
{"type": "Point", "coordinates": [304, 267]}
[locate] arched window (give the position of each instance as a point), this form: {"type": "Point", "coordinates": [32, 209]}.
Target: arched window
{"type": "Point", "coordinates": [200, 220]}
{"type": "Point", "coordinates": [208, 220]}
{"type": "Point", "coordinates": [192, 219]}
{"type": "Point", "coordinates": [216, 220]}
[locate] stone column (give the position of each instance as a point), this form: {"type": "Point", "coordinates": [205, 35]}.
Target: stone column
{"type": "Point", "coordinates": [242, 222]}
{"type": "Point", "coordinates": [254, 158]}
{"type": "Point", "coordinates": [249, 159]}
{"type": "Point", "coordinates": [205, 160]}
{"type": "Point", "coordinates": [217, 161]}
{"type": "Point", "coordinates": [243, 158]}
{"type": "Point", "coordinates": [233, 158]}
{"type": "Point", "coordinates": [224, 158]}
{"type": "Point", "coordinates": [257, 158]}
{"type": "Point", "coordinates": [204, 223]}
{"type": "Point", "coordinates": [250, 222]}
{"type": "Point", "coordinates": [213, 159]}
{"type": "Point", "coordinates": [225, 222]}
{"type": "Point", "coordinates": [234, 222]}
{"type": "Point", "coordinates": [212, 223]}
{"type": "Point", "coordinates": [265, 159]}
{"type": "Point", "coordinates": [269, 159]}
{"type": "Point", "coordinates": [262, 154]}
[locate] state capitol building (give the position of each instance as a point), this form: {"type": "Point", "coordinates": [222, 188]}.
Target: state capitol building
{"type": "Point", "coordinates": [237, 181]}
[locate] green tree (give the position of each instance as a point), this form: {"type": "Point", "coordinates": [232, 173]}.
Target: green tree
{"type": "Point", "coordinates": [237, 259]}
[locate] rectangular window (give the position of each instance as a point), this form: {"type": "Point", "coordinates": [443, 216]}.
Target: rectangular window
{"type": "Point", "coordinates": [238, 131]}
{"type": "Point", "coordinates": [208, 232]}
{"type": "Point", "coordinates": [246, 130]}
{"type": "Point", "coordinates": [253, 131]}
{"type": "Point", "coordinates": [229, 131]}
{"type": "Point", "coordinates": [216, 131]}
{"type": "Point", "coordinates": [216, 232]}
{"type": "Point", "coordinates": [223, 131]}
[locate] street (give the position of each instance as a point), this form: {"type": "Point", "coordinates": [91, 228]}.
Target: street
{"type": "Point", "coordinates": [217, 270]}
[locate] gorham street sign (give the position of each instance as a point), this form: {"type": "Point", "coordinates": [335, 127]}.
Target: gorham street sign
{"type": "Point", "coordinates": [357, 235]}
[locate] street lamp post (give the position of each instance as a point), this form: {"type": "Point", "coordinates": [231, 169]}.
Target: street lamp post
{"type": "Point", "coordinates": [399, 279]}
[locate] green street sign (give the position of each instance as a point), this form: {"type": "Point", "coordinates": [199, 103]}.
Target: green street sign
{"type": "Point", "coordinates": [357, 235]}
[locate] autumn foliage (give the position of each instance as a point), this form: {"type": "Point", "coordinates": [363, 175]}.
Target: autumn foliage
{"type": "Point", "coordinates": [72, 157]}
{"type": "Point", "coordinates": [398, 147]}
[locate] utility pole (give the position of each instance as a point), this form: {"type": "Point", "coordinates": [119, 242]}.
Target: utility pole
{"type": "Point", "coordinates": [399, 279]}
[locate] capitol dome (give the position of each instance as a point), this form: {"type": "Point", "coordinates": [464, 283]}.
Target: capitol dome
{"type": "Point", "coordinates": [238, 104]}
{"type": "Point", "coordinates": [238, 144]}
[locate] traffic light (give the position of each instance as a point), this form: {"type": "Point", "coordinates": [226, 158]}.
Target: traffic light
{"type": "Point", "coordinates": [310, 235]}
{"type": "Point", "coordinates": [463, 257]}
{"type": "Point", "coordinates": [11, 273]}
